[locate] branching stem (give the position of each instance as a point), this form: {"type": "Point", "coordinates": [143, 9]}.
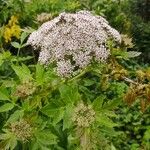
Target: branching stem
{"type": "Point", "coordinates": [130, 80]}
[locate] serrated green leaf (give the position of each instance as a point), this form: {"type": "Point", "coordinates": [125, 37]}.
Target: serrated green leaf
{"type": "Point", "coordinates": [9, 141]}
{"type": "Point", "coordinates": [132, 54]}
{"type": "Point", "coordinates": [147, 134]}
{"type": "Point", "coordinates": [34, 146]}
{"type": "Point", "coordinates": [3, 95]}
{"type": "Point", "coordinates": [98, 102]}
{"type": "Point", "coordinates": [67, 122]}
{"type": "Point", "coordinates": [1, 61]}
{"type": "Point", "coordinates": [112, 104]}
{"type": "Point", "coordinates": [51, 110]}
{"type": "Point", "coordinates": [13, 143]}
{"type": "Point", "coordinates": [105, 121]}
{"type": "Point", "coordinates": [86, 91]}
{"type": "Point", "coordinates": [8, 83]}
{"type": "Point", "coordinates": [15, 116]}
{"type": "Point", "coordinates": [109, 131]}
{"type": "Point", "coordinates": [22, 72]}
{"type": "Point", "coordinates": [46, 137]}
{"type": "Point", "coordinates": [20, 59]}
{"type": "Point", "coordinates": [58, 116]}
{"type": "Point", "coordinates": [4, 56]}
{"type": "Point", "coordinates": [69, 93]}
{"type": "Point", "coordinates": [109, 113]}
{"type": "Point", "coordinates": [66, 93]}
{"type": "Point", "coordinates": [39, 74]}
{"type": "Point", "coordinates": [4, 136]}
{"type": "Point", "coordinates": [6, 107]}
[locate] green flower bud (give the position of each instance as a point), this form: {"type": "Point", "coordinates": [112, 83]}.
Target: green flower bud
{"type": "Point", "coordinates": [83, 115]}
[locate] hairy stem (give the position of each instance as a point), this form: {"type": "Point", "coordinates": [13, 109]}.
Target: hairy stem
{"type": "Point", "coordinates": [79, 75]}
{"type": "Point", "coordinates": [130, 80]}
{"type": "Point", "coordinates": [84, 140]}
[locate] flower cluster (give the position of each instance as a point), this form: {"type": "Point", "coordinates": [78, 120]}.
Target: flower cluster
{"type": "Point", "coordinates": [43, 17]}
{"type": "Point", "coordinates": [12, 29]}
{"type": "Point", "coordinates": [22, 130]}
{"type": "Point", "coordinates": [25, 89]}
{"type": "Point", "coordinates": [83, 115]}
{"type": "Point", "coordinates": [73, 41]}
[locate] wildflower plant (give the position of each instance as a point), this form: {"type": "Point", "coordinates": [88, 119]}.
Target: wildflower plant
{"type": "Point", "coordinates": [69, 104]}
{"type": "Point", "coordinates": [12, 29]}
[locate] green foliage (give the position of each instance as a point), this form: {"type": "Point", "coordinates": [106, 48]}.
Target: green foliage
{"type": "Point", "coordinates": [141, 32]}
{"type": "Point", "coordinates": [9, 8]}
{"type": "Point", "coordinates": [45, 103]}
{"type": "Point", "coordinates": [113, 10]}
{"type": "Point", "coordinates": [38, 110]}
{"type": "Point", "coordinates": [28, 11]}
{"type": "Point", "coordinates": [134, 128]}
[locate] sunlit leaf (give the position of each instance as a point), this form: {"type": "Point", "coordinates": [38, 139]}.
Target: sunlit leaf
{"type": "Point", "coordinates": [6, 107]}
{"type": "Point", "coordinates": [67, 122]}
{"type": "Point", "coordinates": [98, 102]}
{"type": "Point", "coordinates": [16, 44]}
{"type": "Point", "coordinates": [15, 116]}
{"type": "Point", "coordinates": [69, 93]}
{"type": "Point", "coordinates": [39, 74]}
{"type": "Point", "coordinates": [22, 72]}
{"type": "Point", "coordinates": [4, 94]}
{"type": "Point", "coordinates": [45, 137]}
{"type": "Point", "coordinates": [51, 110]}
{"type": "Point", "coordinates": [132, 54]}
{"type": "Point", "coordinates": [105, 121]}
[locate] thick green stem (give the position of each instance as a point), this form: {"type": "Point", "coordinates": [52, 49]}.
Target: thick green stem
{"type": "Point", "coordinates": [18, 55]}
{"type": "Point", "coordinates": [84, 140]}
{"type": "Point", "coordinates": [79, 75]}
{"type": "Point", "coordinates": [18, 52]}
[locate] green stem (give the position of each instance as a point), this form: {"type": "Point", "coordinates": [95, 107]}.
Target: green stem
{"type": "Point", "coordinates": [79, 75]}
{"type": "Point", "coordinates": [74, 78]}
{"type": "Point", "coordinates": [14, 103]}
{"type": "Point", "coordinates": [84, 140]}
{"type": "Point", "coordinates": [18, 55]}
{"type": "Point", "coordinates": [18, 52]}
{"type": "Point", "coordinates": [23, 146]}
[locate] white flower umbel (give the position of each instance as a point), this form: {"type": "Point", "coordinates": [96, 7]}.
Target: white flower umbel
{"type": "Point", "coordinates": [64, 68]}
{"type": "Point", "coordinates": [73, 40]}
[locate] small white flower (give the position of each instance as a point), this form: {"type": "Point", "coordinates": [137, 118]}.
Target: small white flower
{"type": "Point", "coordinates": [64, 68]}
{"type": "Point", "coordinates": [73, 40]}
